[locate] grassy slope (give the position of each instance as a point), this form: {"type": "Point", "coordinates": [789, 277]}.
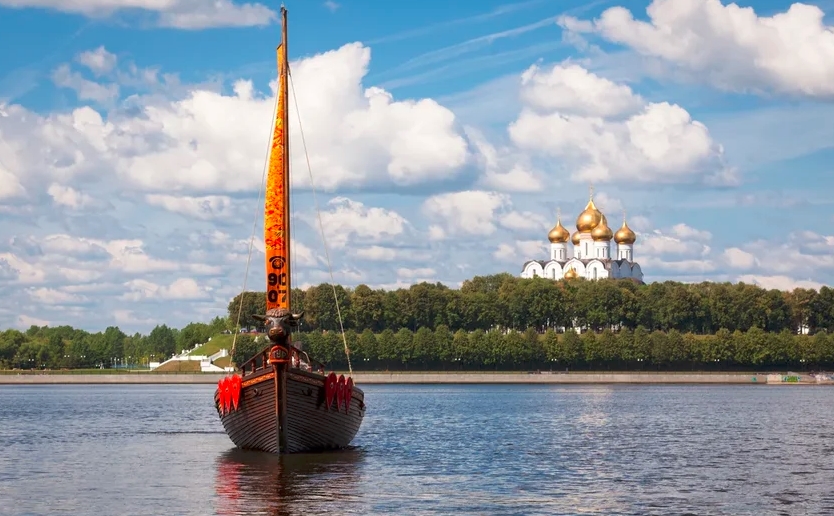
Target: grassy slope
{"type": "Point", "coordinates": [179, 366]}
{"type": "Point", "coordinates": [223, 361]}
{"type": "Point", "coordinates": [216, 343]}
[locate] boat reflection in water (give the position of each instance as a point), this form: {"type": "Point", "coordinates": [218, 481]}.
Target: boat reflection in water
{"type": "Point", "coordinates": [249, 482]}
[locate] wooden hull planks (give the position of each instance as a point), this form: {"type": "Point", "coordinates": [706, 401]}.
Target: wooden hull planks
{"type": "Point", "coordinates": [311, 426]}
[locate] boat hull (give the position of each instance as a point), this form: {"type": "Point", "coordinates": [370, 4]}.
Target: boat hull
{"type": "Point", "coordinates": [310, 424]}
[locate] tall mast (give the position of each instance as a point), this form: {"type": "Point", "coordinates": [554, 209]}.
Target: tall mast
{"type": "Point", "coordinates": [285, 93]}
{"type": "Point", "coordinates": [277, 197]}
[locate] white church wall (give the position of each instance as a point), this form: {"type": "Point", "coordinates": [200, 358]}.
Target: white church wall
{"type": "Point", "coordinates": [595, 270]}
{"type": "Point", "coordinates": [553, 270]}
{"type": "Point", "coordinates": [532, 269]}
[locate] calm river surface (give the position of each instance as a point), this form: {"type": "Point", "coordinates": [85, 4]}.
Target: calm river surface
{"type": "Point", "coordinates": [160, 450]}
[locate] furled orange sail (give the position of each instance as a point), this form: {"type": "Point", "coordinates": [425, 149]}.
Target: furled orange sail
{"type": "Point", "coordinates": [277, 204]}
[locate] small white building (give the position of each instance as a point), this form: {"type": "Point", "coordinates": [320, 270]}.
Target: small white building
{"type": "Point", "coordinates": [589, 254]}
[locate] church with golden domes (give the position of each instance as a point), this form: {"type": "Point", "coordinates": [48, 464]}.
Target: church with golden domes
{"type": "Point", "coordinates": [589, 254]}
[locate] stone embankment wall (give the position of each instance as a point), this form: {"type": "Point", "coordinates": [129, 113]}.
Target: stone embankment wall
{"type": "Point", "coordinates": [408, 378]}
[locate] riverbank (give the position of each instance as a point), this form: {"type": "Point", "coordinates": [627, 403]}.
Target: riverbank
{"type": "Point", "coordinates": [438, 378]}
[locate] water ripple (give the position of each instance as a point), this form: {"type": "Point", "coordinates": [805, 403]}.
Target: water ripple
{"type": "Point", "coordinates": [503, 450]}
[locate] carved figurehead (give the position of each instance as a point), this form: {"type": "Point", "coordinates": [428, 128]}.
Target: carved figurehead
{"type": "Point", "coordinates": [279, 323]}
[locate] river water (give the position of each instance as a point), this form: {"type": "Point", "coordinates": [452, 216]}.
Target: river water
{"type": "Point", "coordinates": [160, 450]}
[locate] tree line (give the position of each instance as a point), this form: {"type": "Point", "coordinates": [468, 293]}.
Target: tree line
{"type": "Point", "coordinates": [640, 349]}
{"type": "Point", "coordinates": [65, 347]}
{"type": "Point", "coordinates": [507, 301]}
{"type": "Point", "coordinates": [482, 309]}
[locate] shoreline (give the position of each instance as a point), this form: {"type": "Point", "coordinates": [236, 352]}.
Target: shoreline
{"type": "Point", "coordinates": [429, 378]}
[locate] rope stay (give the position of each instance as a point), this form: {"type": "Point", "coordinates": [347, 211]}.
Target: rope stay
{"type": "Point", "coordinates": [321, 225]}
{"type": "Point", "coordinates": [258, 211]}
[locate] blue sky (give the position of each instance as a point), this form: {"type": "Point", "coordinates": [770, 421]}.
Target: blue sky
{"type": "Point", "coordinates": [443, 138]}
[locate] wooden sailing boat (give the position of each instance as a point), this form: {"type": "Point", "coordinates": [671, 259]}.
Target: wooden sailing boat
{"type": "Point", "coordinates": [283, 402]}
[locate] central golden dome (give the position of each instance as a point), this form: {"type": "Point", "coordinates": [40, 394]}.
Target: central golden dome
{"type": "Point", "coordinates": [589, 218]}
{"type": "Point", "coordinates": [571, 274]}
{"type": "Point", "coordinates": [602, 233]}
{"type": "Point", "coordinates": [558, 235]}
{"type": "Point", "coordinates": [625, 235]}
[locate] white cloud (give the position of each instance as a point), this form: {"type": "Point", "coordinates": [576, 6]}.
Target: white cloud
{"type": "Point", "coordinates": [571, 89]}
{"type": "Point", "coordinates": [182, 14]}
{"type": "Point", "coordinates": [524, 221]}
{"type": "Point", "coordinates": [99, 60]}
{"type": "Point", "coordinates": [356, 137]}
{"type": "Point", "coordinates": [739, 259]}
{"type": "Point", "coordinates": [611, 206]}
{"type": "Point", "coordinates": [423, 272]}
{"type": "Point", "coordinates": [204, 208]}
{"type": "Point", "coordinates": [683, 231]}
{"type": "Point", "coordinates": [659, 243]}
{"type": "Point", "coordinates": [472, 212]}
{"type": "Point", "coordinates": [173, 150]}
{"type": "Point", "coordinates": [9, 184]}
{"type": "Point", "coordinates": [50, 296]}
{"type": "Point", "coordinates": [183, 289]}
{"type": "Point", "coordinates": [25, 321]}
{"type": "Point", "coordinates": [376, 253]}
{"type": "Point", "coordinates": [784, 283]}
{"type": "Point", "coordinates": [84, 88]}
{"type": "Point", "coordinates": [803, 253]}
{"type": "Point", "coordinates": [331, 6]}
{"type": "Point", "coordinates": [657, 142]}
{"type": "Point", "coordinates": [729, 46]}
{"type": "Point", "coordinates": [69, 197]}
{"type": "Point", "coordinates": [349, 220]}
{"type": "Point", "coordinates": [520, 251]}
{"type": "Point", "coordinates": [679, 252]}
{"type": "Point", "coordinates": [504, 169]}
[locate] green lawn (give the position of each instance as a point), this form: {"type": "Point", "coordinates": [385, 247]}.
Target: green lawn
{"type": "Point", "coordinates": [179, 366]}
{"type": "Point", "coordinates": [216, 343]}
{"type": "Point", "coordinates": [223, 361]}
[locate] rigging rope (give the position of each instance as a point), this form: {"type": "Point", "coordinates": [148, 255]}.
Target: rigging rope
{"type": "Point", "coordinates": [321, 225]}
{"type": "Point", "coordinates": [258, 211]}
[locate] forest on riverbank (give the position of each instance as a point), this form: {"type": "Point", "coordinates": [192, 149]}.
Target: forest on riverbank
{"type": "Point", "coordinates": [496, 322]}
{"type": "Point", "coordinates": [506, 301]}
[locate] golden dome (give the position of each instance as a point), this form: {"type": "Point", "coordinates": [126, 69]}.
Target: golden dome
{"type": "Point", "coordinates": [558, 235]}
{"type": "Point", "coordinates": [589, 218]}
{"type": "Point", "coordinates": [625, 235]}
{"type": "Point", "coordinates": [575, 238]}
{"type": "Point", "coordinates": [571, 274]}
{"type": "Point", "coordinates": [602, 233]}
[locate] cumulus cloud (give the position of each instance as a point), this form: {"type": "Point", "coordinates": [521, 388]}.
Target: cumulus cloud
{"type": "Point", "coordinates": [170, 149]}
{"type": "Point", "coordinates": [85, 89]}
{"type": "Point", "coordinates": [349, 220]}
{"type": "Point", "coordinates": [731, 47]}
{"type": "Point", "coordinates": [69, 197]}
{"type": "Point", "coordinates": [739, 259]}
{"type": "Point", "coordinates": [784, 283]}
{"type": "Point", "coordinates": [99, 61]}
{"type": "Point", "coordinates": [9, 184]}
{"type": "Point", "coordinates": [503, 168]}
{"type": "Point", "coordinates": [519, 251]}
{"type": "Point", "coordinates": [181, 14]}
{"type": "Point", "coordinates": [803, 253]}
{"type": "Point", "coordinates": [470, 212]}
{"type": "Point", "coordinates": [184, 289]}
{"type": "Point", "coordinates": [611, 134]}
{"type": "Point", "coordinates": [573, 90]}
{"type": "Point", "coordinates": [205, 208]}
{"type": "Point", "coordinates": [356, 137]}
